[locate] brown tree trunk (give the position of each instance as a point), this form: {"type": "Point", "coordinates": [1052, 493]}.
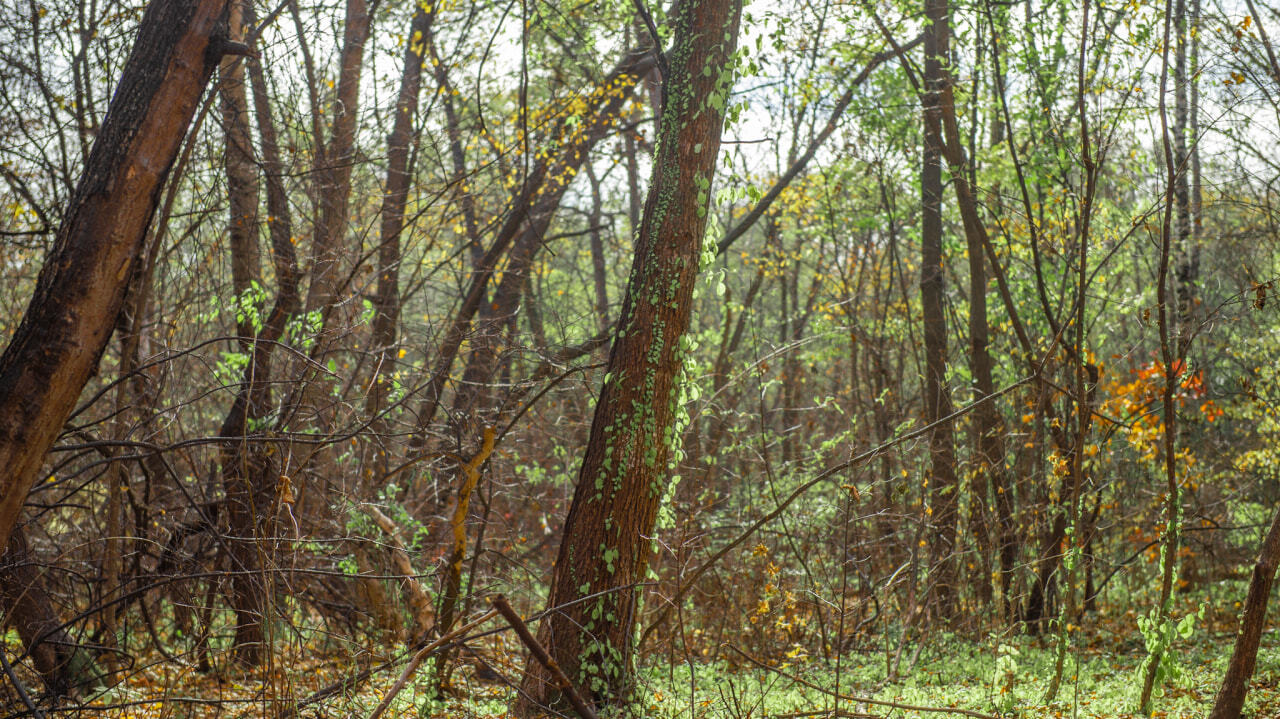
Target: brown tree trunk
{"type": "Point", "coordinates": [250, 490]}
{"type": "Point", "coordinates": [606, 547]}
{"type": "Point", "coordinates": [242, 178]}
{"type": "Point", "coordinates": [386, 300]}
{"type": "Point", "coordinates": [335, 174]}
{"type": "Point", "coordinates": [240, 467]}
{"type": "Point", "coordinates": [943, 486]}
{"type": "Point", "coordinates": [990, 479]}
{"type": "Point", "coordinates": [1235, 683]}
{"type": "Point", "coordinates": [1188, 261]}
{"type": "Point", "coordinates": [63, 665]}
{"type": "Point", "coordinates": [599, 275]}
{"type": "Point", "coordinates": [82, 285]}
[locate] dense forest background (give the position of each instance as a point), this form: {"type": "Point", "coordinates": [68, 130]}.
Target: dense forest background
{"type": "Point", "coordinates": [964, 401]}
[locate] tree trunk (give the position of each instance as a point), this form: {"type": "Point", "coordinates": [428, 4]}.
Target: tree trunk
{"type": "Point", "coordinates": [240, 466]}
{"type": "Point", "coordinates": [82, 285]}
{"type": "Point", "coordinates": [990, 478]}
{"type": "Point", "coordinates": [250, 490]}
{"type": "Point", "coordinates": [242, 179]}
{"type": "Point", "coordinates": [606, 547]}
{"type": "Point", "coordinates": [63, 665]}
{"type": "Point", "coordinates": [1188, 261]}
{"type": "Point", "coordinates": [1235, 684]}
{"type": "Point", "coordinates": [942, 483]}
{"type": "Point", "coordinates": [335, 174]}
{"type": "Point", "coordinates": [386, 300]}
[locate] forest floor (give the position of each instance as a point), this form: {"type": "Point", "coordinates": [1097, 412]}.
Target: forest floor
{"type": "Point", "coordinates": [997, 677]}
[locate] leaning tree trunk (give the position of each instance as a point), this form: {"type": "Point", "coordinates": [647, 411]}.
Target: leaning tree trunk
{"type": "Point", "coordinates": [1235, 684]}
{"type": "Point", "coordinates": [990, 476]}
{"type": "Point", "coordinates": [82, 285]}
{"type": "Point", "coordinates": [605, 551]}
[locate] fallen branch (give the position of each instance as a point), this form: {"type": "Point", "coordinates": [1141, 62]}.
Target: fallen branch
{"type": "Point", "coordinates": [562, 682]}
{"type": "Point", "coordinates": [17, 685]}
{"type": "Point", "coordinates": [421, 656]}
{"type": "Point", "coordinates": [423, 613]}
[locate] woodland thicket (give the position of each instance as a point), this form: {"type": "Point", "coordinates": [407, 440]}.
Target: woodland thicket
{"type": "Point", "coordinates": [607, 357]}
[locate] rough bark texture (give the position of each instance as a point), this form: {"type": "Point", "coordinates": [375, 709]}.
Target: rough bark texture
{"type": "Point", "coordinates": [942, 487]}
{"type": "Point", "coordinates": [82, 285]}
{"type": "Point", "coordinates": [1235, 683]}
{"type": "Point", "coordinates": [1187, 271]}
{"type": "Point", "coordinates": [242, 173]}
{"type": "Point", "coordinates": [606, 547]}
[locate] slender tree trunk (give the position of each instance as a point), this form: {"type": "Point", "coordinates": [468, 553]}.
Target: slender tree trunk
{"type": "Point", "coordinates": [990, 482]}
{"type": "Point", "coordinates": [1171, 346]}
{"type": "Point", "coordinates": [242, 179]}
{"type": "Point", "coordinates": [82, 285]}
{"type": "Point", "coordinates": [606, 547]}
{"type": "Point", "coordinates": [335, 175]}
{"type": "Point", "coordinates": [246, 501]}
{"type": "Point", "coordinates": [1187, 271]}
{"type": "Point", "coordinates": [599, 275]}
{"type": "Point", "coordinates": [252, 494]}
{"type": "Point", "coordinates": [942, 482]}
{"type": "Point", "coordinates": [386, 301]}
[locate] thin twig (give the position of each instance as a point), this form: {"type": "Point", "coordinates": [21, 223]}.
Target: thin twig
{"type": "Point", "coordinates": [658, 55]}
{"type": "Point", "coordinates": [17, 685]}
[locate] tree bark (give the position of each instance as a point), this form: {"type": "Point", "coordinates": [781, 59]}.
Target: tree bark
{"type": "Point", "coordinates": [1235, 683]}
{"type": "Point", "coordinates": [82, 285]}
{"type": "Point", "coordinates": [335, 174]}
{"type": "Point", "coordinates": [605, 551]}
{"type": "Point", "coordinates": [386, 300]}
{"type": "Point", "coordinates": [990, 479]}
{"type": "Point", "coordinates": [242, 178]}
{"type": "Point", "coordinates": [943, 485]}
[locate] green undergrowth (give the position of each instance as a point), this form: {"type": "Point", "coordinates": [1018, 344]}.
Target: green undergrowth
{"type": "Point", "coordinates": [1006, 679]}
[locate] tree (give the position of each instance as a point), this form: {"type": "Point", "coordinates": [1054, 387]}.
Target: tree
{"type": "Point", "coordinates": [82, 285]}
{"type": "Point", "coordinates": [943, 485]}
{"type": "Point", "coordinates": [605, 550]}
